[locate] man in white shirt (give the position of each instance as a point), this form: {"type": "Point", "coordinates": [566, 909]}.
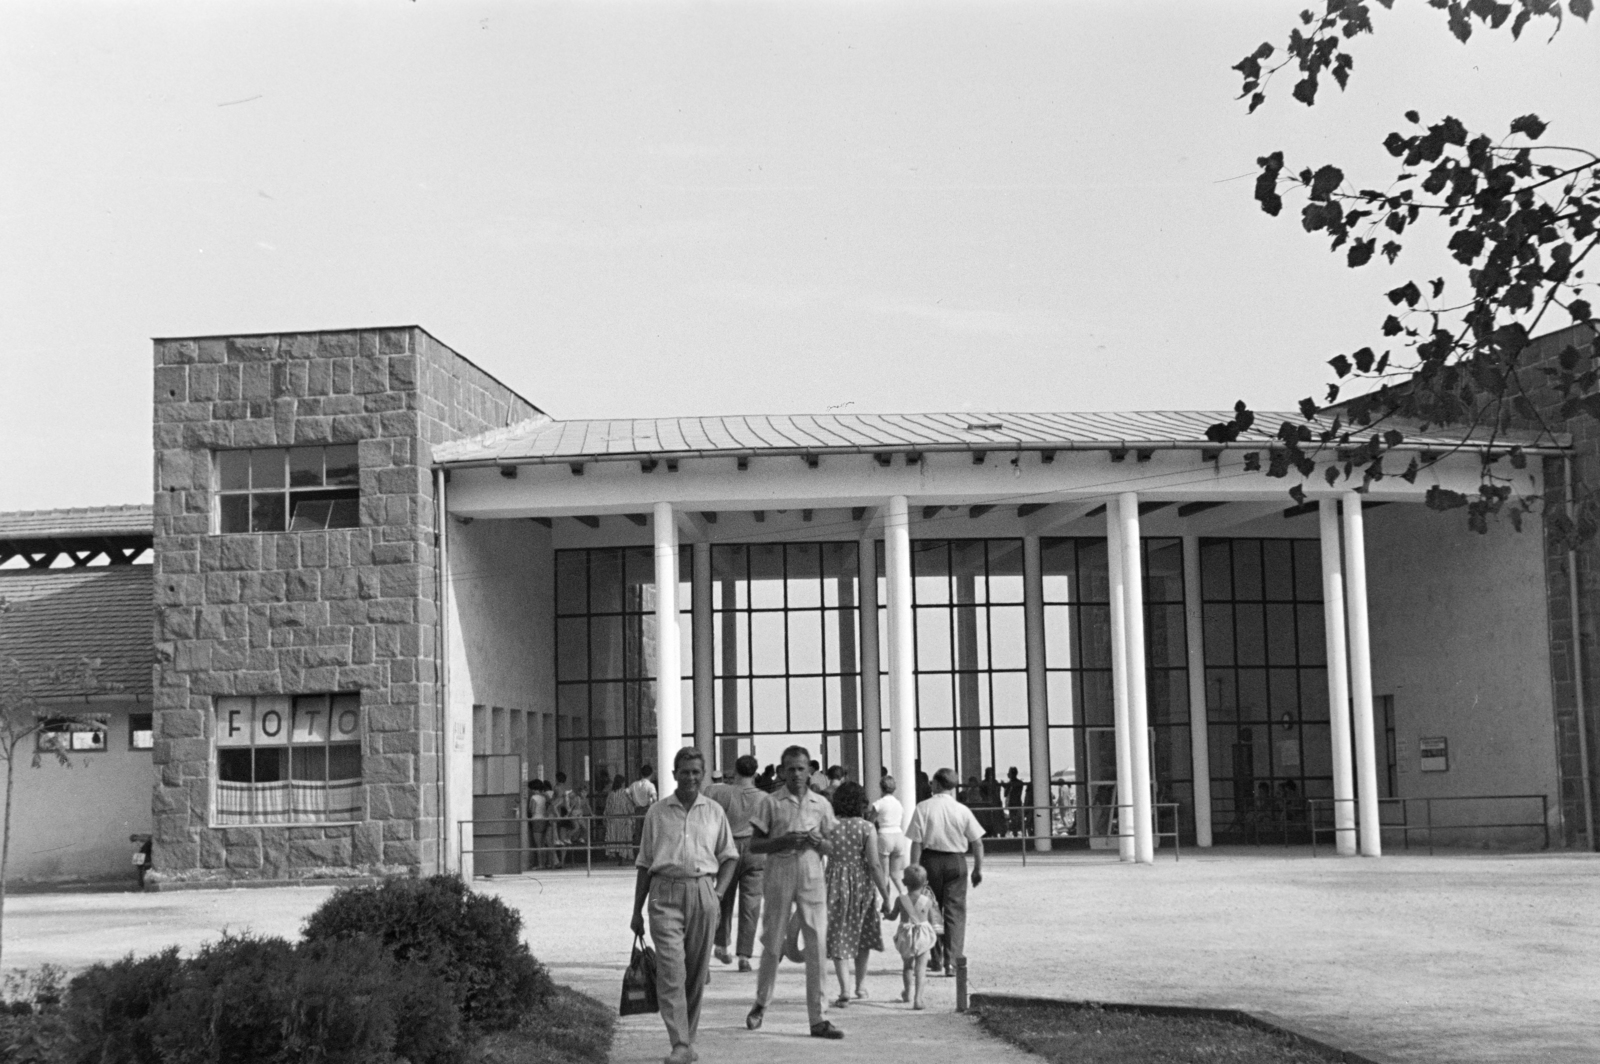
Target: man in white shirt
{"type": "Point", "coordinates": [893, 846]}
{"type": "Point", "coordinates": [642, 790]}
{"type": "Point", "coordinates": [686, 862]}
{"type": "Point", "coordinates": [792, 827]}
{"type": "Point", "coordinates": [942, 833]}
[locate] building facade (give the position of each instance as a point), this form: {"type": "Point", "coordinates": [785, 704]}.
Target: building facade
{"type": "Point", "coordinates": [388, 591]}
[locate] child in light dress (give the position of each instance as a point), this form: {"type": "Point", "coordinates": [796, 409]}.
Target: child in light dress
{"type": "Point", "coordinates": [921, 924]}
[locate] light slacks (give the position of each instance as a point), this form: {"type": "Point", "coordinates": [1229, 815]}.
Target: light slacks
{"type": "Point", "coordinates": [683, 920]}
{"type": "Point", "coordinates": [746, 889]}
{"type": "Point", "coordinates": [895, 850]}
{"type": "Point", "coordinates": [794, 885]}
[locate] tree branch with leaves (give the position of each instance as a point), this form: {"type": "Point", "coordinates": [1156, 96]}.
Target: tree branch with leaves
{"type": "Point", "coordinates": [1522, 219]}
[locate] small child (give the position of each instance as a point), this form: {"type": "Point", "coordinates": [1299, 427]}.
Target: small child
{"type": "Point", "coordinates": [921, 923]}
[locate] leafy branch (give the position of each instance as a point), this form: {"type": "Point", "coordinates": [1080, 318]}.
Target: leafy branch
{"type": "Point", "coordinates": [1519, 217]}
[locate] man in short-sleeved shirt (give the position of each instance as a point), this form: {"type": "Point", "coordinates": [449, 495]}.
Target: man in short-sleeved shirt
{"type": "Point", "coordinates": [942, 833]}
{"type": "Point", "coordinates": [740, 800]}
{"type": "Point", "coordinates": [792, 828]}
{"type": "Point", "coordinates": [686, 861]}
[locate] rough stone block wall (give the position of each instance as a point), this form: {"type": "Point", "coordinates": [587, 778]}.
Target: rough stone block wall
{"type": "Point", "coordinates": [307, 612]}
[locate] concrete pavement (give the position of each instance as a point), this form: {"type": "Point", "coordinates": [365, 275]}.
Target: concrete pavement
{"type": "Point", "coordinates": [1453, 958]}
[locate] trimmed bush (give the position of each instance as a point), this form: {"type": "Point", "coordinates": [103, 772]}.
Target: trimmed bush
{"type": "Point", "coordinates": [471, 941]}
{"type": "Point", "coordinates": [108, 1007]}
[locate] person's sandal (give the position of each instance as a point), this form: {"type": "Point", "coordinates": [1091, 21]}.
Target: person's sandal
{"type": "Point", "coordinates": [753, 1018]}
{"type": "Point", "coordinates": [841, 1002]}
{"type": "Point", "coordinates": [825, 1029]}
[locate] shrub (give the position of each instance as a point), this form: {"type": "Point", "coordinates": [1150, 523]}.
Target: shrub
{"type": "Point", "coordinates": [108, 1007]}
{"type": "Point", "coordinates": [472, 941]}
{"type": "Point", "coordinates": [32, 1028]}
{"type": "Point", "coordinates": [228, 1003]}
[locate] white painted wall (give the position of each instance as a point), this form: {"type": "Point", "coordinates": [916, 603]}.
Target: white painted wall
{"type": "Point", "coordinates": [1460, 639]}
{"type": "Point", "coordinates": [72, 824]}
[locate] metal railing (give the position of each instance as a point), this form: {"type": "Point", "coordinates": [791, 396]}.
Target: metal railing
{"type": "Point", "coordinates": [1111, 818]}
{"type": "Point", "coordinates": [1387, 821]}
{"type": "Point", "coordinates": [585, 835]}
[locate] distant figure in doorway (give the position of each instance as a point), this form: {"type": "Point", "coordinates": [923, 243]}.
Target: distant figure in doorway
{"type": "Point", "coordinates": [818, 781]}
{"type": "Point", "coordinates": [858, 891]}
{"type": "Point", "coordinates": [739, 800]}
{"type": "Point", "coordinates": [793, 829]}
{"type": "Point", "coordinates": [643, 789]}
{"type": "Point", "coordinates": [943, 833]}
{"type": "Point", "coordinates": [836, 776]}
{"type": "Point", "coordinates": [1015, 802]}
{"type": "Point", "coordinates": [888, 816]}
{"type": "Point", "coordinates": [538, 824]}
{"type": "Point", "coordinates": [767, 782]}
{"type": "Point", "coordinates": [924, 789]}
{"type": "Point", "coordinates": [619, 821]}
{"type": "Point", "coordinates": [921, 924]}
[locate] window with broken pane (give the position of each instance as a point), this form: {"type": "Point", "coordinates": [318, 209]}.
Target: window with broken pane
{"type": "Point", "coordinates": [288, 489]}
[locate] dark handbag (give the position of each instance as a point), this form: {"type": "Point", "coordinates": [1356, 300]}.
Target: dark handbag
{"type": "Point", "coordinates": [639, 982]}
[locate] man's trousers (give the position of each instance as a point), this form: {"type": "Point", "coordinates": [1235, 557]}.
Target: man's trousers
{"type": "Point", "coordinates": [747, 888]}
{"type": "Point", "coordinates": [794, 884]}
{"type": "Point", "coordinates": [683, 920]}
{"type": "Point", "coordinates": [947, 878]}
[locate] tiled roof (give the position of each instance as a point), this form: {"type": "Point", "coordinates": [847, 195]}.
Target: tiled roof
{"type": "Point", "coordinates": [84, 521]}
{"type": "Point", "coordinates": [542, 439]}
{"type": "Point", "coordinates": [58, 616]}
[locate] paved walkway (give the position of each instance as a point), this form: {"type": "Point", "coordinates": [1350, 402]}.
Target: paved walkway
{"type": "Point", "coordinates": [1444, 959]}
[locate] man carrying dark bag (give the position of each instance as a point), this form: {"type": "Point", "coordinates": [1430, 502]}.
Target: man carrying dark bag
{"type": "Point", "coordinates": [686, 861]}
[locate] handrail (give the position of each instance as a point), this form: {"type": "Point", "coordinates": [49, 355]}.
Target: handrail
{"type": "Point", "coordinates": [465, 832]}
{"type": "Point", "coordinates": [1406, 827]}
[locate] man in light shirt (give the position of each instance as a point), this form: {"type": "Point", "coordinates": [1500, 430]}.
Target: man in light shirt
{"type": "Point", "coordinates": [942, 833]}
{"type": "Point", "coordinates": [792, 828]}
{"type": "Point", "coordinates": [686, 861]}
{"type": "Point", "coordinates": [893, 846]}
{"type": "Point", "coordinates": [739, 800]}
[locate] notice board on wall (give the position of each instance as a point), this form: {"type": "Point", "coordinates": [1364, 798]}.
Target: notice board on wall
{"type": "Point", "coordinates": [1433, 754]}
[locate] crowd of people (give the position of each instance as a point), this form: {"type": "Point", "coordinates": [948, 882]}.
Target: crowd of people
{"type": "Point", "coordinates": [810, 867]}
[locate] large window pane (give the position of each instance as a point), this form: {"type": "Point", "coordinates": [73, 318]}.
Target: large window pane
{"type": "Point", "coordinates": [805, 642]}
{"type": "Point", "coordinates": [1008, 642]}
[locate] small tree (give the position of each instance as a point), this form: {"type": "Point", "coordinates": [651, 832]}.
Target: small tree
{"type": "Point", "coordinates": [23, 716]}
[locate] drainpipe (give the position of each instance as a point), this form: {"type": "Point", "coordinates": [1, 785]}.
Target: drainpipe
{"type": "Point", "coordinates": [442, 754]}
{"type": "Point", "coordinates": [1577, 668]}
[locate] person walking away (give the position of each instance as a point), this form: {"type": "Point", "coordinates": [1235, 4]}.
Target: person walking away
{"type": "Point", "coordinates": [1014, 788]}
{"type": "Point", "coordinates": [920, 927]}
{"type": "Point", "coordinates": [858, 891]}
{"type": "Point", "coordinates": [893, 846]}
{"type": "Point", "coordinates": [943, 833]}
{"type": "Point", "coordinates": [619, 820]}
{"type": "Point", "coordinates": [739, 800]}
{"type": "Point", "coordinates": [836, 776]}
{"type": "Point", "coordinates": [686, 861]}
{"type": "Point", "coordinates": [538, 823]}
{"type": "Point", "coordinates": [642, 792]}
{"type": "Point", "coordinates": [793, 828]}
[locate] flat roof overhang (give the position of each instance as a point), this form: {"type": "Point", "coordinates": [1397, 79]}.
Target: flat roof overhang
{"type": "Point", "coordinates": [1159, 471]}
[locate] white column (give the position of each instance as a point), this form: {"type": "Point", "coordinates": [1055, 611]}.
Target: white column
{"type": "Point", "coordinates": [669, 683]}
{"type": "Point", "coordinates": [704, 649]}
{"type": "Point", "coordinates": [1355, 561]}
{"type": "Point", "coordinates": [1038, 691]}
{"type": "Point", "coordinates": [1138, 710]}
{"type": "Point", "coordinates": [1199, 730]}
{"type": "Point", "coordinates": [1333, 623]}
{"type": "Point", "coordinates": [871, 689]}
{"type": "Point", "coordinates": [902, 679]}
{"type": "Point", "coordinates": [1119, 684]}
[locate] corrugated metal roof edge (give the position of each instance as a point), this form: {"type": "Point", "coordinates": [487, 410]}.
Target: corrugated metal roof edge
{"type": "Point", "coordinates": [1556, 448]}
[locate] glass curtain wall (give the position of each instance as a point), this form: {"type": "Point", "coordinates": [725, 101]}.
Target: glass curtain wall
{"type": "Point", "coordinates": [1266, 685]}
{"type": "Point", "coordinates": [1077, 621]}
{"type": "Point", "coordinates": [606, 660]}
{"type": "Point", "coordinates": [785, 634]}
{"type": "Point", "coordinates": [971, 662]}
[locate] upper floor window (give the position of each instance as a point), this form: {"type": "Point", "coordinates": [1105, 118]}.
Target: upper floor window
{"type": "Point", "coordinates": [288, 489]}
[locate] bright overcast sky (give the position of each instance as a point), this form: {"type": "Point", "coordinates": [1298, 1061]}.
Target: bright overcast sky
{"type": "Point", "coordinates": [674, 208]}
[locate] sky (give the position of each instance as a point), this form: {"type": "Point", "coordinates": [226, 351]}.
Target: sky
{"type": "Point", "coordinates": [662, 209]}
